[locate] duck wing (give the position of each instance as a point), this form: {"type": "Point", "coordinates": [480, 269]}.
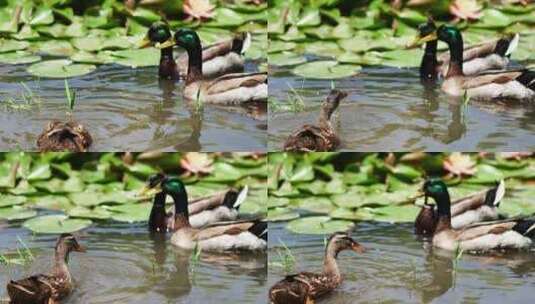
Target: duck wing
{"type": "Point", "coordinates": [490, 197]}
{"type": "Point", "coordinates": [37, 289]}
{"type": "Point", "coordinates": [317, 284]}
{"type": "Point", "coordinates": [489, 78]}
{"type": "Point", "coordinates": [233, 81]}
{"type": "Point", "coordinates": [232, 228]}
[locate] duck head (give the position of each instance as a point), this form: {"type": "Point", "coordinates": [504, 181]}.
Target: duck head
{"type": "Point", "coordinates": [67, 243]}
{"type": "Point", "coordinates": [158, 35]}
{"type": "Point", "coordinates": [437, 189]}
{"type": "Point", "coordinates": [160, 182]}
{"type": "Point", "coordinates": [70, 136]}
{"type": "Point", "coordinates": [340, 241]}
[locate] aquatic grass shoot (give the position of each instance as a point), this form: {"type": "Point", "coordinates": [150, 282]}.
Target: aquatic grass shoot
{"type": "Point", "coordinates": [24, 256]}
{"type": "Point", "coordinates": [71, 96]}
{"type": "Point", "coordinates": [27, 99]}
{"type": "Point", "coordinates": [458, 254]}
{"type": "Point", "coordinates": [286, 260]}
{"type": "Point", "coordinates": [194, 260]}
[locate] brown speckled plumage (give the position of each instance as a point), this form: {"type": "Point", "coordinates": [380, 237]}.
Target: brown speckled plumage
{"type": "Point", "coordinates": [320, 137]}
{"type": "Point", "coordinates": [306, 287]}
{"type": "Point", "coordinates": [69, 136]}
{"type": "Point", "coordinates": [47, 289]}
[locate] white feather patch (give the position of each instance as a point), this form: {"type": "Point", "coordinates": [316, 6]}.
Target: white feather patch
{"type": "Point", "coordinates": [478, 65]}
{"type": "Point", "coordinates": [513, 45]}
{"type": "Point", "coordinates": [243, 241]}
{"type": "Point", "coordinates": [220, 65]}
{"type": "Point", "coordinates": [500, 193]}
{"type": "Point", "coordinates": [509, 239]}
{"type": "Point", "coordinates": [242, 196]}
{"type": "Point", "coordinates": [221, 213]}
{"type": "Point", "coordinates": [483, 213]}
{"type": "Point", "coordinates": [512, 89]}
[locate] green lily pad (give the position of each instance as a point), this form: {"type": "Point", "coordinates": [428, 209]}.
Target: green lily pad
{"type": "Point", "coordinates": [11, 200]}
{"type": "Point", "coordinates": [18, 57]}
{"type": "Point", "coordinates": [325, 70]}
{"type": "Point", "coordinates": [402, 58]}
{"type": "Point", "coordinates": [286, 59]}
{"type": "Point", "coordinates": [318, 225]}
{"type": "Point", "coordinates": [130, 213]}
{"type": "Point", "coordinates": [277, 202]}
{"type": "Point", "coordinates": [320, 205]}
{"type": "Point", "coordinates": [52, 202]}
{"type": "Point", "coordinates": [57, 48]}
{"type": "Point", "coordinates": [16, 213]}
{"type": "Point", "coordinates": [137, 58]}
{"type": "Point", "coordinates": [90, 44]}
{"type": "Point", "coordinates": [12, 45]}
{"type": "Point", "coordinates": [281, 214]}
{"type": "Point", "coordinates": [56, 224]}
{"type": "Point", "coordinates": [97, 213]}
{"type": "Point", "coordinates": [396, 214]}
{"type": "Point", "coordinates": [61, 68]}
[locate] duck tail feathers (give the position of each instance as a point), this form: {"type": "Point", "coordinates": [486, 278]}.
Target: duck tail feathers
{"type": "Point", "coordinates": [246, 43]}
{"type": "Point", "coordinates": [506, 45]}
{"type": "Point", "coordinates": [527, 79]}
{"type": "Point", "coordinates": [242, 196]}
{"type": "Point", "coordinates": [495, 195]}
{"type": "Point", "coordinates": [260, 229]}
{"type": "Point", "coordinates": [241, 43]}
{"type": "Point", "coordinates": [526, 228]}
{"type": "Point", "coordinates": [512, 45]}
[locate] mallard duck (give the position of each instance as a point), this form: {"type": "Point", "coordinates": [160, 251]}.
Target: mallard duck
{"type": "Point", "coordinates": [474, 208]}
{"type": "Point", "coordinates": [306, 287]}
{"type": "Point", "coordinates": [236, 235]}
{"type": "Point", "coordinates": [504, 234]}
{"type": "Point", "coordinates": [476, 59]}
{"type": "Point", "coordinates": [69, 136]}
{"type": "Point", "coordinates": [229, 89]}
{"type": "Point", "coordinates": [514, 84]}
{"type": "Point", "coordinates": [222, 206]}
{"type": "Point", "coordinates": [320, 137]}
{"type": "Point", "coordinates": [47, 289]}
{"type": "Point", "coordinates": [217, 59]}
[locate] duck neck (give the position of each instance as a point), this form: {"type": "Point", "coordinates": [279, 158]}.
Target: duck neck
{"type": "Point", "coordinates": [61, 259]}
{"type": "Point", "coordinates": [428, 67]}
{"type": "Point", "coordinates": [444, 211]}
{"type": "Point", "coordinates": [194, 63]}
{"type": "Point", "coordinates": [157, 218]}
{"type": "Point", "coordinates": [181, 210]}
{"type": "Point", "coordinates": [330, 267]}
{"type": "Point", "coordinates": [456, 57]}
{"type": "Point", "coordinates": [168, 67]}
{"type": "Point", "coordinates": [324, 120]}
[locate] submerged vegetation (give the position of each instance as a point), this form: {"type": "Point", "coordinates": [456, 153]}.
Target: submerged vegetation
{"type": "Point", "coordinates": [349, 34]}
{"type": "Point", "coordinates": [65, 192]}
{"type": "Point", "coordinates": [326, 192]}
{"type": "Point", "coordinates": [67, 38]}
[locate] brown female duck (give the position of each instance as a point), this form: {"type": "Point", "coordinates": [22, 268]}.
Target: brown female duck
{"type": "Point", "coordinates": [47, 289]}
{"type": "Point", "coordinates": [474, 208]}
{"type": "Point", "coordinates": [306, 287]}
{"type": "Point", "coordinates": [69, 136]}
{"type": "Point", "coordinates": [218, 59]}
{"type": "Point", "coordinates": [221, 206]}
{"type": "Point", "coordinates": [320, 137]}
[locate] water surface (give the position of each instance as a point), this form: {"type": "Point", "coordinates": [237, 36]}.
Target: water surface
{"type": "Point", "coordinates": [389, 109]}
{"type": "Point", "coordinates": [126, 110]}
{"type": "Point", "coordinates": [400, 268]}
{"type": "Point", "coordinates": [124, 265]}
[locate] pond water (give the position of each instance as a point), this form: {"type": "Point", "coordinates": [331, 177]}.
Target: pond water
{"type": "Point", "coordinates": [388, 109]}
{"type": "Point", "coordinates": [126, 110]}
{"type": "Point", "coordinates": [400, 268]}
{"type": "Point", "coordinates": [124, 265]}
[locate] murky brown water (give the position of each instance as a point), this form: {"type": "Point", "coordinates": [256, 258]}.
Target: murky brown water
{"type": "Point", "coordinates": [126, 110]}
{"type": "Point", "coordinates": [124, 265]}
{"type": "Point", "coordinates": [388, 109]}
{"type": "Point", "coordinates": [399, 268]}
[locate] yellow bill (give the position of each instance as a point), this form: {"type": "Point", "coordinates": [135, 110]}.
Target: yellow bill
{"type": "Point", "coordinates": [418, 40]}
{"type": "Point", "coordinates": [169, 43]}
{"type": "Point", "coordinates": [144, 43]}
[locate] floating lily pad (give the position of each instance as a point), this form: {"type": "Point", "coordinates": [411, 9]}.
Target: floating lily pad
{"type": "Point", "coordinates": [318, 225]}
{"type": "Point", "coordinates": [11, 200]}
{"type": "Point", "coordinates": [286, 59]}
{"type": "Point", "coordinates": [52, 202]}
{"type": "Point", "coordinates": [396, 214]}
{"type": "Point", "coordinates": [90, 44]}
{"type": "Point", "coordinates": [320, 205]}
{"type": "Point", "coordinates": [325, 70]}
{"type": "Point", "coordinates": [12, 45]}
{"type": "Point", "coordinates": [137, 58]}
{"type": "Point", "coordinates": [131, 212]}
{"type": "Point", "coordinates": [95, 213]}
{"type": "Point", "coordinates": [61, 68]}
{"type": "Point", "coordinates": [16, 213]}
{"type": "Point", "coordinates": [277, 202]}
{"type": "Point", "coordinates": [56, 224]}
{"type": "Point", "coordinates": [54, 48]}
{"type": "Point", "coordinates": [19, 57]}
{"type": "Point", "coordinates": [281, 214]}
